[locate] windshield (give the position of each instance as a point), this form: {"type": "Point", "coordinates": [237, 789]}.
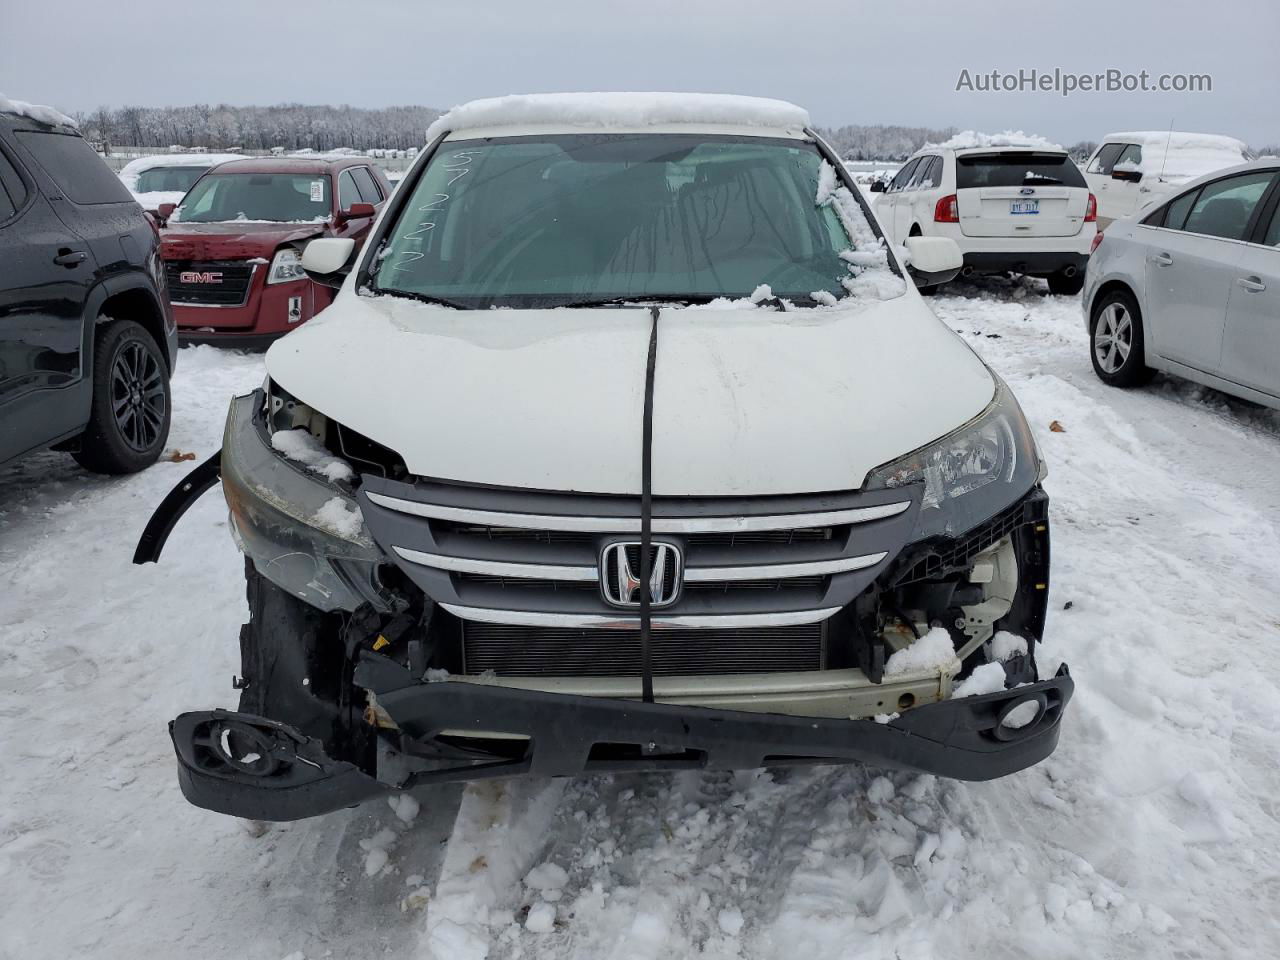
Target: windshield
{"type": "Point", "coordinates": [1013, 169]}
{"type": "Point", "coordinates": [578, 219]}
{"type": "Point", "coordinates": [277, 197]}
{"type": "Point", "coordinates": [168, 179]}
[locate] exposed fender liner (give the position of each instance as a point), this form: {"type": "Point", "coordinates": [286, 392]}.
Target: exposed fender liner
{"type": "Point", "coordinates": [190, 489]}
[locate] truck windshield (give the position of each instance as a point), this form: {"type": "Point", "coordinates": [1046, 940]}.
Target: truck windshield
{"type": "Point", "coordinates": [543, 221]}
{"type": "Point", "coordinates": [172, 179]}
{"type": "Point", "coordinates": [277, 197]}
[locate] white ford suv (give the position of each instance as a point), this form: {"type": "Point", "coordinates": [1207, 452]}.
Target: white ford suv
{"type": "Point", "coordinates": [626, 445]}
{"type": "Point", "coordinates": [1011, 204]}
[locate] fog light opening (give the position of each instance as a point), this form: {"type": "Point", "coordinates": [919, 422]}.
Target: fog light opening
{"type": "Point", "coordinates": [906, 701]}
{"type": "Point", "coordinates": [1020, 718]}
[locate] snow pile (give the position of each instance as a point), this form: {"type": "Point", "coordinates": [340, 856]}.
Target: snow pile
{"type": "Point", "coordinates": [621, 110]}
{"type": "Point", "coordinates": [975, 140]}
{"type": "Point", "coordinates": [340, 516]}
{"type": "Point", "coordinates": [34, 111]}
{"type": "Point", "coordinates": [1005, 645]}
{"type": "Point", "coordinates": [871, 276]}
{"type": "Point", "coordinates": [1176, 156]}
{"type": "Point", "coordinates": [931, 653]}
{"type": "Point", "coordinates": [301, 446]}
{"type": "Point", "coordinates": [987, 678]}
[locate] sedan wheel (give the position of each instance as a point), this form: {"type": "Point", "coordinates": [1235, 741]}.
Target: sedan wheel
{"type": "Point", "coordinates": [1119, 355]}
{"type": "Point", "coordinates": [1113, 338]}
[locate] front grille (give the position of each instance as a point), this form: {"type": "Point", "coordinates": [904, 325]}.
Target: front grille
{"type": "Point", "coordinates": [516, 651]}
{"type": "Point", "coordinates": [694, 540]}
{"type": "Point", "coordinates": [218, 283]}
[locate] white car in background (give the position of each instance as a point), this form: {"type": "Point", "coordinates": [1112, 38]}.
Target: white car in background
{"type": "Point", "coordinates": [1193, 288]}
{"type": "Point", "coordinates": [1130, 171]}
{"type": "Point", "coordinates": [1012, 203]}
{"type": "Point", "coordinates": [166, 177]}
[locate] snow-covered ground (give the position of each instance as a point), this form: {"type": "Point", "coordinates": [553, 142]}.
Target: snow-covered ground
{"type": "Point", "coordinates": [1152, 832]}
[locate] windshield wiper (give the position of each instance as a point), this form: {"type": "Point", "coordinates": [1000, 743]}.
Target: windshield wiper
{"type": "Point", "coordinates": [638, 300]}
{"type": "Point", "coordinates": [424, 298]}
{"type": "Point", "coordinates": [1039, 178]}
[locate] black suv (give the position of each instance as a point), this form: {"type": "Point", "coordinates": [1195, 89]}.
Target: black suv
{"type": "Point", "coordinates": [87, 338]}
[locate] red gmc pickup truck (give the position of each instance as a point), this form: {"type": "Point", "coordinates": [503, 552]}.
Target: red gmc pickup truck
{"type": "Point", "coordinates": [233, 247]}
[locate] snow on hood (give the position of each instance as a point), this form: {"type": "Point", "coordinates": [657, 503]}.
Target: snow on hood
{"type": "Point", "coordinates": [1181, 156]}
{"type": "Point", "coordinates": [130, 172]}
{"type": "Point", "coordinates": [34, 111]}
{"type": "Point", "coordinates": [747, 401]}
{"type": "Point", "coordinates": [623, 110]}
{"type": "Point", "coordinates": [973, 140]}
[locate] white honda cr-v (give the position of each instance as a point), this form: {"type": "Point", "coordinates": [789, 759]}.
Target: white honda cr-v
{"type": "Point", "coordinates": [627, 444]}
{"type": "Point", "coordinates": [1011, 204]}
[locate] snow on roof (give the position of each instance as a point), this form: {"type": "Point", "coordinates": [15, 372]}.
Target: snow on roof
{"type": "Point", "coordinates": [130, 172]}
{"type": "Point", "coordinates": [975, 140]}
{"type": "Point", "coordinates": [628, 110]}
{"type": "Point", "coordinates": [1175, 155]}
{"type": "Point", "coordinates": [34, 111]}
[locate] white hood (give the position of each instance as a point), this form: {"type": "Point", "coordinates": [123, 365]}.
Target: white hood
{"type": "Point", "coordinates": [747, 401]}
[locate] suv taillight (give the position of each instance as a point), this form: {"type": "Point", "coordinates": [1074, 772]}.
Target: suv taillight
{"type": "Point", "coordinates": [1091, 210]}
{"type": "Point", "coordinates": [1097, 242]}
{"type": "Point", "coordinates": [947, 210]}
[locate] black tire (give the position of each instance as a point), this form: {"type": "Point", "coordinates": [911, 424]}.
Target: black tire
{"type": "Point", "coordinates": [130, 411]}
{"type": "Point", "coordinates": [1118, 350]}
{"type": "Point", "coordinates": [1064, 286]}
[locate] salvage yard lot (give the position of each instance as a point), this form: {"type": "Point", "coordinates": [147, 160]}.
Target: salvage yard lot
{"type": "Point", "coordinates": [1151, 831]}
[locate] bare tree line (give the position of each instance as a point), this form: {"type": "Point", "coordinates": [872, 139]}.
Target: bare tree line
{"type": "Point", "coordinates": [295, 126]}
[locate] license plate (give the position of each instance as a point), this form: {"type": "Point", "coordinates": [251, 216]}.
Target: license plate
{"type": "Point", "coordinates": [1024, 206]}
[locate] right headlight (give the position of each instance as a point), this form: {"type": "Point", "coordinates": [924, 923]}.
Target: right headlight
{"type": "Point", "coordinates": [971, 474]}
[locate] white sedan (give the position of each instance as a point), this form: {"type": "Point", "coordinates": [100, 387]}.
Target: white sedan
{"type": "Point", "coordinates": [1193, 287]}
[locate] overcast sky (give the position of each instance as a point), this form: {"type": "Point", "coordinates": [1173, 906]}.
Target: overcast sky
{"type": "Point", "coordinates": [848, 62]}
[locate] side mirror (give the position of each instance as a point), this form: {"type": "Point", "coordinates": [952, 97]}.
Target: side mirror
{"type": "Point", "coordinates": [164, 212]}
{"type": "Point", "coordinates": [933, 260]}
{"type": "Point", "coordinates": [357, 211]}
{"type": "Point", "coordinates": [1128, 176]}
{"type": "Point", "coordinates": [877, 186]}
{"type": "Point", "coordinates": [327, 260]}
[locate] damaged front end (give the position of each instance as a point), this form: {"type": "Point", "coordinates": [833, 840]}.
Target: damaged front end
{"type": "Point", "coordinates": [405, 632]}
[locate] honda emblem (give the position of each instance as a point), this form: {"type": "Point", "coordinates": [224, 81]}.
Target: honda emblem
{"type": "Point", "coordinates": [620, 573]}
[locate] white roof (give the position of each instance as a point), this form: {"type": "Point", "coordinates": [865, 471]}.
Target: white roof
{"type": "Point", "coordinates": [572, 111]}
{"type": "Point", "coordinates": [976, 140]}
{"type": "Point", "coordinates": [130, 172]}
{"type": "Point", "coordinates": [34, 111]}
{"type": "Point", "coordinates": [1175, 155]}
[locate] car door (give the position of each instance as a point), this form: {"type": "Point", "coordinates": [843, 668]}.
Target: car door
{"type": "Point", "coordinates": [1251, 343]}
{"type": "Point", "coordinates": [45, 273]}
{"type": "Point", "coordinates": [1192, 261]}
{"type": "Point", "coordinates": [370, 192]}
{"type": "Point", "coordinates": [888, 201]}
{"type": "Point", "coordinates": [348, 193]}
{"type": "Point", "coordinates": [915, 197]}
{"type": "Point", "coordinates": [1098, 175]}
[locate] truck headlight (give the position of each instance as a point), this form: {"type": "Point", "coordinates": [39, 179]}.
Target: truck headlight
{"type": "Point", "coordinates": [286, 265]}
{"type": "Point", "coordinates": [971, 474]}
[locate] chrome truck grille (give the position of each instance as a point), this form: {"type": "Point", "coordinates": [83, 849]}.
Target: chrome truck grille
{"type": "Point", "coordinates": [533, 576]}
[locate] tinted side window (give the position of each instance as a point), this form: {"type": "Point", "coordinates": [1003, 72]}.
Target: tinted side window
{"type": "Point", "coordinates": [11, 184]}
{"type": "Point", "coordinates": [934, 177]}
{"type": "Point", "coordinates": [1272, 239]}
{"type": "Point", "coordinates": [347, 192]}
{"type": "Point", "coordinates": [365, 182]}
{"type": "Point", "coordinates": [904, 175]}
{"type": "Point", "coordinates": [1105, 160]}
{"type": "Point", "coordinates": [7, 209]}
{"type": "Point", "coordinates": [1175, 214]}
{"type": "Point", "coordinates": [1223, 208]}
{"type": "Point", "coordinates": [75, 168]}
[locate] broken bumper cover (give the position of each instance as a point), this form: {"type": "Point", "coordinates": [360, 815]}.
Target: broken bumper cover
{"type": "Point", "coordinates": [288, 776]}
